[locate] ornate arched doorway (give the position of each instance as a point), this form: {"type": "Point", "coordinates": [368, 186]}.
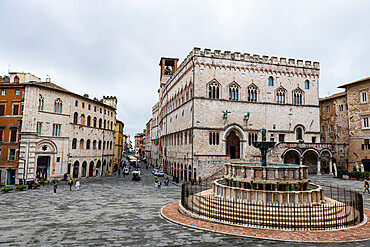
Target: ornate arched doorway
{"type": "Point", "coordinates": [91, 169]}
{"type": "Point", "coordinates": [233, 145]}
{"type": "Point", "coordinates": [76, 169]}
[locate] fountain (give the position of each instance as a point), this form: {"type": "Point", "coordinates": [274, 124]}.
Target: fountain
{"type": "Point", "coordinates": [266, 195]}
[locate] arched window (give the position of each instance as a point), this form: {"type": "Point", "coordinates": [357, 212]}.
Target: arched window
{"type": "Point", "coordinates": [110, 145]}
{"type": "Point", "coordinates": [58, 105]}
{"type": "Point", "coordinates": [280, 96]}
{"type": "Point", "coordinates": [103, 145]}
{"type": "Point", "coordinates": [76, 103]}
{"type": "Point", "coordinates": [88, 120]}
{"type": "Point", "coordinates": [252, 93]}
{"type": "Point", "coordinates": [75, 118]}
{"type": "Point", "coordinates": [298, 133]}
{"type": "Point", "coordinates": [108, 124]}
{"type": "Point", "coordinates": [94, 144]}
{"type": "Point", "coordinates": [74, 143]}
{"type": "Point", "coordinates": [234, 92]}
{"type": "Point", "coordinates": [88, 144]}
{"type": "Point", "coordinates": [307, 84]}
{"type": "Point", "coordinates": [83, 105]}
{"type": "Point", "coordinates": [16, 79]}
{"type": "Point", "coordinates": [99, 146]}
{"type": "Point", "coordinates": [82, 119]}
{"type": "Point", "coordinates": [111, 125]}
{"type": "Point", "coordinates": [297, 97]}
{"type": "Point", "coordinates": [271, 81]}
{"type": "Point", "coordinates": [82, 143]}
{"type": "Point", "coordinates": [214, 90]}
{"type": "Point", "coordinates": [94, 122]}
{"type": "Point", "coordinates": [89, 107]}
{"type": "Point", "coordinates": [105, 124]}
{"type": "Point", "coordinates": [100, 123]}
{"type": "Point", "coordinates": [41, 103]}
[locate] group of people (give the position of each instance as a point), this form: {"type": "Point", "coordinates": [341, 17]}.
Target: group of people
{"type": "Point", "coordinates": [70, 183]}
{"type": "Point", "coordinates": [157, 183]}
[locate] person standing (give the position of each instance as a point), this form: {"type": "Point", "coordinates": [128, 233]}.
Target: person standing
{"type": "Point", "coordinates": [156, 183]}
{"type": "Point", "coordinates": [55, 186]}
{"type": "Point", "coordinates": [159, 184]}
{"type": "Point", "coordinates": [70, 183]}
{"type": "Point", "coordinates": [366, 185]}
{"type": "Point", "coordinates": [78, 185]}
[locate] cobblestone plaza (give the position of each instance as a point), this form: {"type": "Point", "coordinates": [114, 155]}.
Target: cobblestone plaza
{"type": "Point", "coordinates": [115, 211]}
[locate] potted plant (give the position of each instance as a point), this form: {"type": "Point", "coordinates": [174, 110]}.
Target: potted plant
{"type": "Point", "coordinates": [35, 186]}
{"type": "Point", "coordinates": [21, 187]}
{"type": "Point", "coordinates": [6, 189]}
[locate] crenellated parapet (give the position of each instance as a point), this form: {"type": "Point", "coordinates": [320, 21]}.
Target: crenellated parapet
{"type": "Point", "coordinates": [255, 58]}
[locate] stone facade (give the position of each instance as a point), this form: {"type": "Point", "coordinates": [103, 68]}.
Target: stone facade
{"type": "Point", "coordinates": [65, 133]}
{"type": "Point", "coordinates": [11, 112]}
{"type": "Point", "coordinates": [213, 106]}
{"type": "Point", "coordinates": [119, 144]}
{"type": "Point", "coordinates": [334, 126]}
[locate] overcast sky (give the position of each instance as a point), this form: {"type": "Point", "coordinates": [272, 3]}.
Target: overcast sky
{"type": "Point", "coordinates": [113, 47]}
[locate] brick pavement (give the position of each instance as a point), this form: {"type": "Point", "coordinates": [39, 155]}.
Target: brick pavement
{"type": "Point", "coordinates": [358, 233]}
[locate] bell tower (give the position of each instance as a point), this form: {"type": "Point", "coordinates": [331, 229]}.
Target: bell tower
{"type": "Point", "coordinates": [168, 67]}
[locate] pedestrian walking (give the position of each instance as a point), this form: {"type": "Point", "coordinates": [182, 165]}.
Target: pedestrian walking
{"type": "Point", "coordinates": [366, 185]}
{"type": "Point", "coordinates": [159, 184]}
{"type": "Point", "coordinates": [70, 183]}
{"type": "Point", "coordinates": [156, 183]}
{"type": "Point", "coordinates": [55, 185]}
{"type": "Point", "coordinates": [78, 185]}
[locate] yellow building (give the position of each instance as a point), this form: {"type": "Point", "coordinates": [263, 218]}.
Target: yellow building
{"type": "Point", "coordinates": [119, 144]}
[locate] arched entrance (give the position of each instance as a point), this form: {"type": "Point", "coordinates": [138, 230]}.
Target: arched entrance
{"type": "Point", "coordinates": [91, 169]}
{"type": "Point", "coordinates": [43, 166]}
{"type": "Point", "coordinates": [98, 168]}
{"type": "Point", "coordinates": [310, 159]}
{"type": "Point", "coordinates": [292, 157]}
{"type": "Point", "coordinates": [84, 167]}
{"type": "Point", "coordinates": [233, 145]}
{"type": "Point", "coordinates": [76, 169]}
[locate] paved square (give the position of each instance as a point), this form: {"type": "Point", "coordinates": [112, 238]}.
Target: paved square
{"type": "Point", "coordinates": [113, 211]}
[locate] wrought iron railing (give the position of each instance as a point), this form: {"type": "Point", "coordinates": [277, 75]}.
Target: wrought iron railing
{"type": "Point", "coordinates": [346, 209]}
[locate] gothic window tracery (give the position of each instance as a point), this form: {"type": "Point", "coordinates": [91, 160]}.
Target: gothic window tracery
{"type": "Point", "coordinates": [280, 96]}
{"type": "Point", "coordinates": [297, 97]}
{"type": "Point", "coordinates": [214, 90]}
{"type": "Point", "coordinates": [252, 92]}
{"type": "Point", "coordinates": [58, 105]}
{"type": "Point", "coordinates": [234, 92]}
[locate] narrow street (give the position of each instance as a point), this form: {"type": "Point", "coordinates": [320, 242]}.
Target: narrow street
{"type": "Point", "coordinates": [111, 211]}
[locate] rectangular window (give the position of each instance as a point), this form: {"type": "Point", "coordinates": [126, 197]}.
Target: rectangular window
{"type": "Point", "coordinates": [322, 129]}
{"type": "Point", "coordinates": [3, 92]}
{"type": "Point", "coordinates": [328, 109]}
{"type": "Point", "coordinates": [15, 109]}
{"type": "Point", "coordinates": [1, 156]}
{"type": "Point", "coordinates": [281, 137]}
{"type": "Point", "coordinates": [11, 153]}
{"type": "Point", "coordinates": [39, 127]}
{"type": "Point", "coordinates": [17, 92]}
{"type": "Point", "coordinates": [1, 134]}
{"type": "Point", "coordinates": [314, 139]}
{"type": "Point", "coordinates": [331, 128]}
{"type": "Point", "coordinates": [2, 110]}
{"type": "Point", "coordinates": [13, 134]}
{"type": "Point", "coordinates": [366, 145]}
{"type": "Point", "coordinates": [366, 122]}
{"type": "Point", "coordinates": [364, 97]}
{"type": "Point", "coordinates": [56, 129]}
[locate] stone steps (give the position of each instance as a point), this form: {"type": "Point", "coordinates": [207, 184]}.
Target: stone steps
{"type": "Point", "coordinates": [258, 215]}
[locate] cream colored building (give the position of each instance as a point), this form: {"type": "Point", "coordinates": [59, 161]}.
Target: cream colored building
{"type": "Point", "coordinates": [65, 133]}
{"type": "Point", "coordinates": [213, 106]}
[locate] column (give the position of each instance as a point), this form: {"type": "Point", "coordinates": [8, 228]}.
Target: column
{"type": "Point", "coordinates": [319, 166]}
{"type": "Point", "coordinates": [330, 166]}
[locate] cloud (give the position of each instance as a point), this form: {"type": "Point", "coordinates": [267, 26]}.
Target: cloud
{"type": "Point", "coordinates": [114, 47]}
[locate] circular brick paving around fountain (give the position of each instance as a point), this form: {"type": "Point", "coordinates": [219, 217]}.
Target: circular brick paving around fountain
{"type": "Point", "coordinates": [352, 234]}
